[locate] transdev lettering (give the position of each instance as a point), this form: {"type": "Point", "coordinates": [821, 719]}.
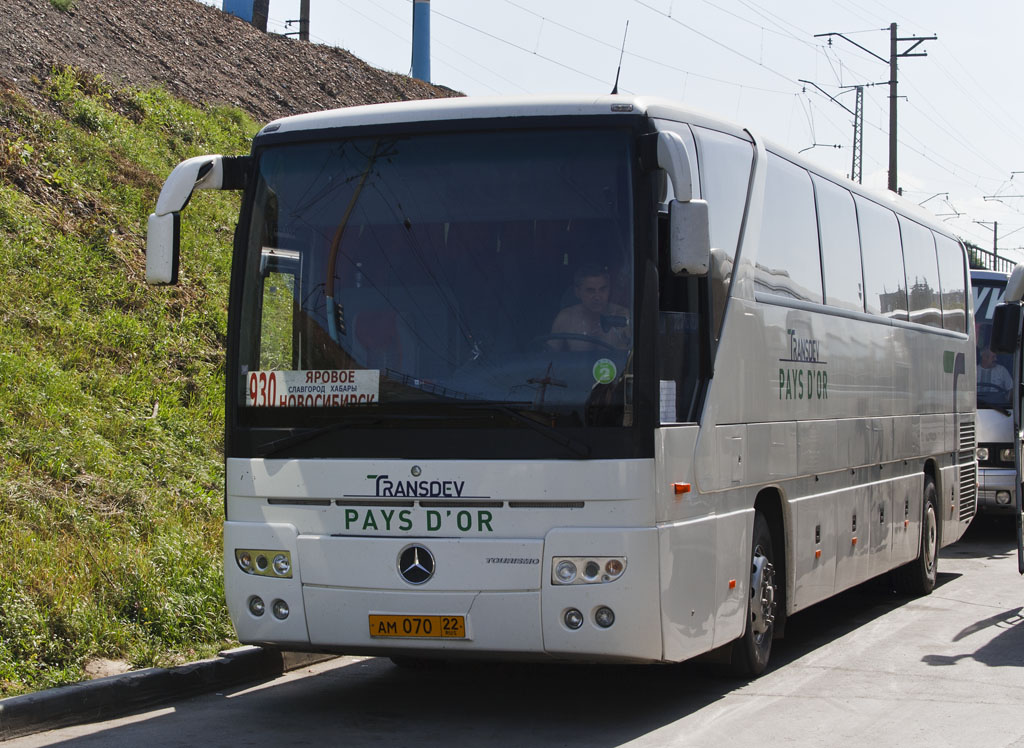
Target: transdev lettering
{"type": "Point", "coordinates": [429, 489]}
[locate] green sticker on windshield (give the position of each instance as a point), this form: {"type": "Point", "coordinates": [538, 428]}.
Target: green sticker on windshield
{"type": "Point", "coordinates": [604, 371]}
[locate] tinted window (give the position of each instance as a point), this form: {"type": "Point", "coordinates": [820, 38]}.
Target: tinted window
{"type": "Point", "coordinates": [840, 246]}
{"type": "Point", "coordinates": [788, 260]}
{"type": "Point", "coordinates": [396, 273]}
{"type": "Point", "coordinates": [885, 286]}
{"type": "Point", "coordinates": [922, 273]}
{"type": "Point", "coordinates": [724, 177]}
{"type": "Point", "coordinates": [954, 287]}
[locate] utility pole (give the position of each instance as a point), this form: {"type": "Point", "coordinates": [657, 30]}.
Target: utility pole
{"type": "Point", "coordinates": [856, 167]}
{"type": "Point", "coordinates": [894, 54]}
{"type": "Point", "coordinates": [302, 20]}
{"type": "Point", "coordinates": [995, 241]}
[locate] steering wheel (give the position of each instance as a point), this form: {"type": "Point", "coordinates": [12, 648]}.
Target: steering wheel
{"type": "Point", "coordinates": [575, 336]}
{"type": "Point", "coordinates": [991, 389]}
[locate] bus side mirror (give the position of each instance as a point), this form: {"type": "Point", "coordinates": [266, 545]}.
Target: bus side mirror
{"type": "Point", "coordinates": [163, 232]}
{"type": "Point", "coordinates": [163, 244]}
{"type": "Point", "coordinates": [689, 237]}
{"type": "Point", "coordinates": [1005, 326]}
{"type": "Point", "coordinates": [689, 231]}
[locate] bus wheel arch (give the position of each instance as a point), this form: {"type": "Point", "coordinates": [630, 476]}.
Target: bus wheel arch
{"type": "Point", "coordinates": [918, 577]}
{"type": "Point", "coordinates": [766, 603]}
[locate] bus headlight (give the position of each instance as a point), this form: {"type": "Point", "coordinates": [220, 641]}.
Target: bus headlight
{"type": "Point", "coordinates": [573, 619]}
{"type": "Point", "coordinates": [595, 569]}
{"type": "Point", "coordinates": [282, 565]}
{"type": "Point", "coordinates": [565, 572]}
{"type": "Point", "coordinates": [256, 606]}
{"type": "Point", "coordinates": [259, 563]}
{"type": "Point", "coordinates": [280, 609]}
{"type": "Point", "coordinates": [1006, 455]}
{"type": "Point", "coordinates": [604, 617]}
{"type": "Point", "coordinates": [982, 454]}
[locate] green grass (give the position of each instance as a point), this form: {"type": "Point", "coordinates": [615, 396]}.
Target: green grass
{"type": "Point", "coordinates": [111, 404]}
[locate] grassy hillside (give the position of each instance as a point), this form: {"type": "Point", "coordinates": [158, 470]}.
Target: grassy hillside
{"type": "Point", "coordinates": [111, 392]}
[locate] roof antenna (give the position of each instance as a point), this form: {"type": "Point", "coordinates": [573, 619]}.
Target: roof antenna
{"type": "Point", "coordinates": [615, 88]}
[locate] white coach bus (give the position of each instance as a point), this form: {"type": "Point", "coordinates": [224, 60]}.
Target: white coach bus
{"type": "Point", "coordinates": [579, 378]}
{"type": "Point", "coordinates": [994, 432]}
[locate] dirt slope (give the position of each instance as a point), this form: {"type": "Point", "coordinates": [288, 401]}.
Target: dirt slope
{"type": "Point", "coordinates": [195, 51]}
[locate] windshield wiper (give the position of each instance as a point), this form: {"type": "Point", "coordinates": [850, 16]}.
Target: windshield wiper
{"type": "Point", "coordinates": [286, 442]}
{"type": "Point", "coordinates": [554, 434]}
{"type": "Point", "coordinates": [279, 445]}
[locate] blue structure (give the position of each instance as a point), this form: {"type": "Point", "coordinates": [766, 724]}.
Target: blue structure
{"type": "Point", "coordinates": [240, 8]}
{"type": "Point", "coordinates": [251, 11]}
{"type": "Point", "coordinates": [420, 40]}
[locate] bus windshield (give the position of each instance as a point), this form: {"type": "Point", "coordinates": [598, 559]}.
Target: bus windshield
{"type": "Point", "coordinates": [440, 274]}
{"type": "Point", "coordinates": [994, 381]}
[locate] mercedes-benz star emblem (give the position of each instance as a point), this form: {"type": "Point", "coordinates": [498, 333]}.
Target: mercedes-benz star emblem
{"type": "Point", "coordinates": [416, 564]}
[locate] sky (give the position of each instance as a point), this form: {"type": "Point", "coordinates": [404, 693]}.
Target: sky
{"type": "Point", "coordinates": [960, 111]}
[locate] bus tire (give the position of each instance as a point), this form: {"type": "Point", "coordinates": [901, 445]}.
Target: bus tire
{"type": "Point", "coordinates": [919, 576]}
{"type": "Point", "coordinates": [751, 651]}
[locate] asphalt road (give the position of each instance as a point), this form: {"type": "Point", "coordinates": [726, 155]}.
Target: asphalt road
{"type": "Point", "coordinates": [864, 668]}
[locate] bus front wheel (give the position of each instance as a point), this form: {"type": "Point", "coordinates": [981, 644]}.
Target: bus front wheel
{"type": "Point", "coordinates": [751, 651]}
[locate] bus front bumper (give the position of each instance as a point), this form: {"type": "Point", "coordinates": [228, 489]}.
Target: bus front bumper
{"type": "Point", "coordinates": [494, 597]}
{"type": "Point", "coordinates": [996, 491]}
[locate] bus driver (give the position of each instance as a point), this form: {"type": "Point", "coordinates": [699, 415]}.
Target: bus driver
{"type": "Point", "coordinates": [594, 317]}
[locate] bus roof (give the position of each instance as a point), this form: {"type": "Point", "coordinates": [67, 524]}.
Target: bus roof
{"type": "Point", "coordinates": [513, 107]}
{"type": "Point", "coordinates": [990, 275]}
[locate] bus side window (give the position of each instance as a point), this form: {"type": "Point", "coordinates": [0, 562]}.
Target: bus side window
{"type": "Point", "coordinates": [840, 246]}
{"type": "Point", "coordinates": [788, 258]}
{"type": "Point", "coordinates": [922, 273]}
{"type": "Point", "coordinates": [725, 163]}
{"type": "Point", "coordinates": [953, 283]}
{"type": "Point", "coordinates": [885, 283]}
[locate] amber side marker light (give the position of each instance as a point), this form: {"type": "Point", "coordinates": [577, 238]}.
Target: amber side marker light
{"type": "Point", "coordinates": [681, 488]}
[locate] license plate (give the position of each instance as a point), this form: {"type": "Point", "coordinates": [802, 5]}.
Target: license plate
{"type": "Point", "coordinates": [418, 627]}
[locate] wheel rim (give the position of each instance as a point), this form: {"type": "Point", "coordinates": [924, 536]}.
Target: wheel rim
{"type": "Point", "coordinates": [762, 591]}
{"type": "Point", "coordinates": [931, 538]}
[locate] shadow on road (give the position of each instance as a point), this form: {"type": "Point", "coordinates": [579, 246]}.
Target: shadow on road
{"type": "Point", "coordinates": [495, 704]}
{"type": "Point", "coordinates": [989, 536]}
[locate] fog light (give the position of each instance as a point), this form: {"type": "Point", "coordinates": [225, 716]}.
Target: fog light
{"type": "Point", "coordinates": [604, 617]}
{"type": "Point", "coordinates": [565, 572]}
{"type": "Point", "coordinates": [282, 565]}
{"type": "Point", "coordinates": [982, 454]}
{"type": "Point", "coordinates": [256, 606]}
{"type": "Point", "coordinates": [261, 562]}
{"type": "Point", "coordinates": [244, 559]}
{"type": "Point", "coordinates": [591, 570]}
{"type": "Point", "coordinates": [1006, 455]}
{"type": "Point", "coordinates": [573, 619]}
{"type": "Point", "coordinates": [1003, 497]}
{"type": "Point", "coordinates": [280, 610]}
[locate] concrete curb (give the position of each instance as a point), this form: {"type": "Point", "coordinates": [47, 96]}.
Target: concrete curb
{"type": "Point", "coordinates": [118, 695]}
